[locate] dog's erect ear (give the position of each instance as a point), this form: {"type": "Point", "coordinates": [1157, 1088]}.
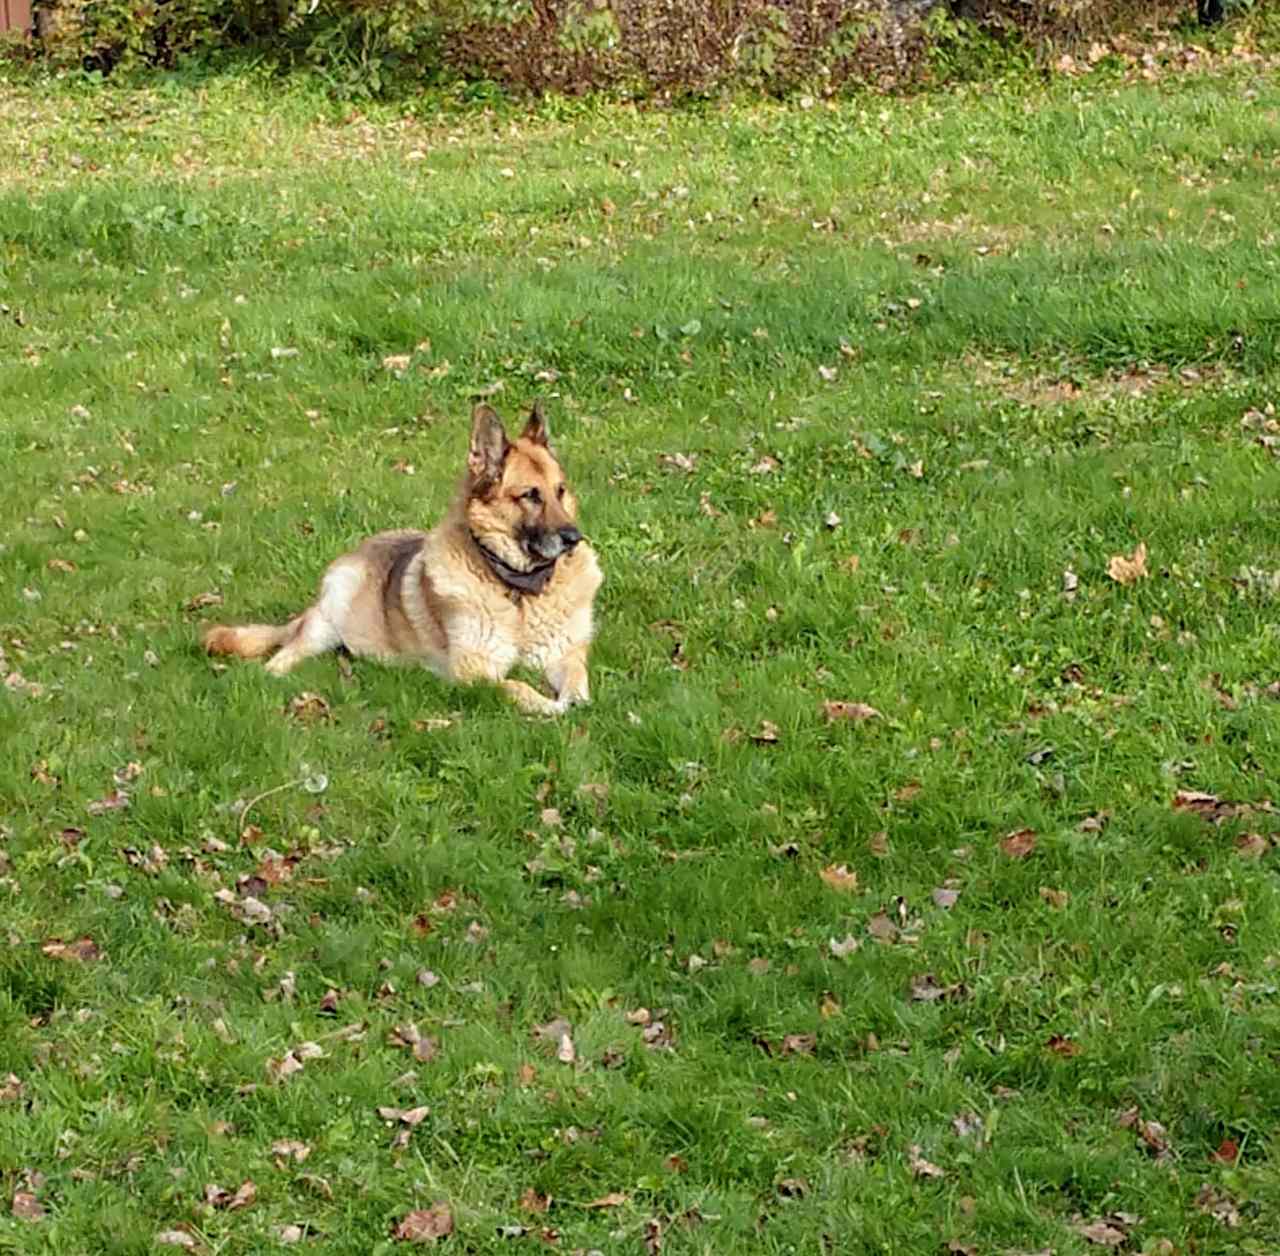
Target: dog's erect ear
{"type": "Point", "coordinates": [489, 445]}
{"type": "Point", "coordinates": [536, 429]}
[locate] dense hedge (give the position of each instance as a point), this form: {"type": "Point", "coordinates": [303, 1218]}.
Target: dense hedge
{"type": "Point", "coordinates": [638, 47]}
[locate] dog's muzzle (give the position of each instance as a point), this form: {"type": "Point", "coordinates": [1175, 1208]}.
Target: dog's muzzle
{"type": "Point", "coordinates": [552, 544]}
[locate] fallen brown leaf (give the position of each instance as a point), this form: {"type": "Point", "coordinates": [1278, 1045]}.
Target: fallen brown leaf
{"type": "Point", "coordinates": [26, 1207]}
{"type": "Point", "coordinates": [424, 1225]}
{"type": "Point", "coordinates": [1215, 810]}
{"type": "Point", "coordinates": [406, 1116]}
{"type": "Point", "coordinates": [1055, 898]}
{"type": "Point", "coordinates": [966, 1123]}
{"type": "Point", "coordinates": [1228, 1152]}
{"type": "Point", "coordinates": [882, 928]}
{"type": "Point", "coordinates": [532, 1201]}
{"type": "Point", "coordinates": [1219, 1205]}
{"type": "Point", "coordinates": [1019, 844]}
{"type": "Point", "coordinates": [560, 1033]}
{"type": "Point", "coordinates": [840, 878]}
{"type": "Point", "coordinates": [767, 734]}
{"type": "Point", "coordinates": [1252, 845]}
{"type": "Point", "coordinates": [652, 1237]}
{"type": "Point", "coordinates": [1128, 569]}
{"type": "Point", "coordinates": [925, 989]}
{"type": "Point", "coordinates": [175, 1238]}
{"type": "Point", "coordinates": [217, 1197]}
{"type": "Point", "coordinates": [1065, 1047]}
{"type": "Point", "coordinates": [116, 800]}
{"type": "Point", "coordinates": [922, 1167]}
{"type": "Point", "coordinates": [285, 1149]}
{"type": "Point", "coordinates": [612, 1200]}
{"type": "Point", "coordinates": [856, 711]}
{"type": "Point", "coordinates": [799, 1044]}
{"type": "Point", "coordinates": [83, 950]}
{"type": "Point", "coordinates": [1101, 1232]}
{"type": "Point", "coordinates": [1154, 1136]}
{"type": "Point", "coordinates": [308, 708]}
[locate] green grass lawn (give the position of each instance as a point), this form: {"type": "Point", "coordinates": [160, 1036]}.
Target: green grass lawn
{"type": "Point", "coordinates": [862, 400]}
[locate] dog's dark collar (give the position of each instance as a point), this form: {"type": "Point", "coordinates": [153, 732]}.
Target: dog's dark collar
{"type": "Point", "coordinates": [532, 581]}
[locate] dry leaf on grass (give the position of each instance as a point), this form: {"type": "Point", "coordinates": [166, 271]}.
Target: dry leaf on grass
{"type": "Point", "coordinates": [840, 878]}
{"type": "Point", "coordinates": [424, 1048]}
{"type": "Point", "coordinates": [308, 708]}
{"type": "Point", "coordinates": [922, 1167]}
{"type": "Point", "coordinates": [614, 1199]}
{"type": "Point", "coordinates": [1228, 1152]}
{"type": "Point", "coordinates": [767, 735]}
{"type": "Point", "coordinates": [1065, 1047]}
{"type": "Point", "coordinates": [855, 711]}
{"type": "Point", "coordinates": [219, 1197]}
{"type": "Point", "coordinates": [175, 1238]}
{"type": "Point", "coordinates": [1109, 1231]}
{"type": "Point", "coordinates": [882, 929]}
{"type": "Point", "coordinates": [1128, 569]}
{"type": "Point", "coordinates": [843, 949]}
{"type": "Point", "coordinates": [559, 1032]}
{"type": "Point", "coordinates": [406, 1116]}
{"type": "Point", "coordinates": [925, 989]}
{"type": "Point", "coordinates": [82, 950]}
{"type": "Point", "coordinates": [1019, 844]}
{"type": "Point", "coordinates": [799, 1044]}
{"type": "Point", "coordinates": [285, 1149]}
{"type": "Point", "coordinates": [966, 1123]}
{"type": "Point", "coordinates": [1219, 1205]}
{"type": "Point", "coordinates": [117, 800]}
{"type": "Point", "coordinates": [26, 1207]}
{"type": "Point", "coordinates": [1154, 1136]}
{"type": "Point", "coordinates": [425, 1225]}
{"type": "Point", "coordinates": [1215, 810]}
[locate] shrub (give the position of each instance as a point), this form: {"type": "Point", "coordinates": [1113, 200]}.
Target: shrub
{"type": "Point", "coordinates": [638, 47]}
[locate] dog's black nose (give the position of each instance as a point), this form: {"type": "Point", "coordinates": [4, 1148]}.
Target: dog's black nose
{"type": "Point", "coordinates": [570, 537]}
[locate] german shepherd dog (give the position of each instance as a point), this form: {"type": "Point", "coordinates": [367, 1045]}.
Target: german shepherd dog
{"type": "Point", "coordinates": [505, 578]}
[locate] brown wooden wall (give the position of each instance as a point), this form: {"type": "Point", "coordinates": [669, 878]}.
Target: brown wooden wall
{"type": "Point", "coordinates": [15, 15]}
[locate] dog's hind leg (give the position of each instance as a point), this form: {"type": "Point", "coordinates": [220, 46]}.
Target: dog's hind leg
{"type": "Point", "coordinates": [312, 634]}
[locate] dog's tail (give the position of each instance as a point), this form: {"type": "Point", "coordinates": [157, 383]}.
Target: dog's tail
{"type": "Point", "coordinates": [246, 641]}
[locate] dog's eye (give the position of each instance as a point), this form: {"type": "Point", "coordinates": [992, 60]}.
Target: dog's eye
{"type": "Point", "coordinates": [560, 492]}
{"type": "Point", "coordinates": [532, 496]}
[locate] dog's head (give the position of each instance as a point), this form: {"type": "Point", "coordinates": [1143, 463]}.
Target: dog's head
{"type": "Point", "coordinates": [518, 505]}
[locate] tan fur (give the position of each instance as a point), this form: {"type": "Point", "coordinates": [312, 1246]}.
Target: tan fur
{"type": "Point", "coordinates": [432, 598]}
